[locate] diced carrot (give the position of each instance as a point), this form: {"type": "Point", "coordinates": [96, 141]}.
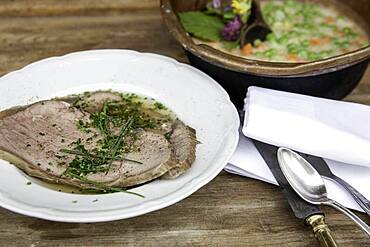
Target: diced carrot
{"type": "Point", "coordinates": [329, 19]}
{"type": "Point", "coordinates": [292, 57]}
{"type": "Point", "coordinates": [364, 38]}
{"type": "Point", "coordinates": [355, 43]}
{"type": "Point", "coordinates": [338, 32]}
{"type": "Point", "coordinates": [247, 49]}
{"type": "Point", "coordinates": [326, 40]}
{"type": "Point", "coordinates": [315, 41]}
{"type": "Point", "coordinates": [261, 46]}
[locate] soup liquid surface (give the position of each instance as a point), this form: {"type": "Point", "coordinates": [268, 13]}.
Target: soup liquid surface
{"type": "Point", "coordinates": [302, 32]}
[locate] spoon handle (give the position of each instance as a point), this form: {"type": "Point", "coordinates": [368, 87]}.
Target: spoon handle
{"type": "Point", "coordinates": [351, 215]}
{"type": "Point", "coordinates": [359, 198]}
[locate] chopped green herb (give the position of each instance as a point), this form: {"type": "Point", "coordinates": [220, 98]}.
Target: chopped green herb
{"type": "Point", "coordinates": [119, 140]}
{"type": "Point", "coordinates": [114, 130]}
{"type": "Point", "coordinates": [168, 135]}
{"type": "Point", "coordinates": [86, 154]}
{"type": "Point", "coordinates": [81, 125]}
{"type": "Point", "coordinates": [29, 183]}
{"type": "Point", "coordinates": [101, 187]}
{"type": "Point", "coordinates": [159, 106]}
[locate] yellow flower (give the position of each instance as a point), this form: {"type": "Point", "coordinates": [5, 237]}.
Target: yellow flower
{"type": "Point", "coordinates": [241, 6]}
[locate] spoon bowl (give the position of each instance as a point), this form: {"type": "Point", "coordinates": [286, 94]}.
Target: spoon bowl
{"type": "Point", "coordinates": [256, 28]}
{"type": "Point", "coordinates": [308, 184]}
{"type": "Point", "coordinates": [297, 170]}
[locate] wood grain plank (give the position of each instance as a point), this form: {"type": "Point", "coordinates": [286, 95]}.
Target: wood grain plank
{"type": "Point", "coordinates": [256, 214]}
{"type": "Point", "coordinates": [28, 8]}
{"type": "Point", "coordinates": [229, 211]}
{"type": "Point", "coordinates": [24, 40]}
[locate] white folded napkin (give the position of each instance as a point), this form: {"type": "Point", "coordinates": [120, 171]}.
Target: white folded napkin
{"type": "Point", "coordinates": [331, 129]}
{"type": "Point", "coordinates": [336, 130]}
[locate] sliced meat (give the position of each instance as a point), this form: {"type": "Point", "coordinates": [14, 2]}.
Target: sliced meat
{"type": "Point", "coordinates": [156, 156]}
{"type": "Point", "coordinates": [183, 140]}
{"type": "Point", "coordinates": [37, 134]}
{"type": "Point", "coordinates": [96, 100]}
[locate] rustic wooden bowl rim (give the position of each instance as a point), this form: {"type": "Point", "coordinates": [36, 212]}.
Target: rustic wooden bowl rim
{"type": "Point", "coordinates": [243, 65]}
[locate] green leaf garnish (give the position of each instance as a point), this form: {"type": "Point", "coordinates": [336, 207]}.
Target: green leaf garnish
{"type": "Point", "coordinates": [201, 25]}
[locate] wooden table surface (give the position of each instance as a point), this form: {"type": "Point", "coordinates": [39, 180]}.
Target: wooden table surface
{"type": "Point", "coordinates": [229, 211]}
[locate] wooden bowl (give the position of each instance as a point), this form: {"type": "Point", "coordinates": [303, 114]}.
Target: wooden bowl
{"type": "Point", "coordinates": [334, 77]}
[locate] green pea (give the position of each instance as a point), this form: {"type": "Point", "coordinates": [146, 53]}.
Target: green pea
{"type": "Point", "coordinates": [293, 48]}
{"type": "Point", "coordinates": [284, 39]}
{"type": "Point", "coordinates": [305, 43]}
{"type": "Point", "coordinates": [270, 19]}
{"type": "Point", "coordinates": [271, 37]}
{"type": "Point", "coordinates": [308, 26]}
{"type": "Point", "coordinates": [294, 34]}
{"type": "Point", "coordinates": [347, 30]}
{"type": "Point", "coordinates": [257, 42]}
{"type": "Point", "coordinates": [289, 3]}
{"type": "Point", "coordinates": [341, 43]}
{"type": "Point", "coordinates": [270, 53]}
{"type": "Point", "coordinates": [312, 55]}
{"type": "Point", "coordinates": [258, 54]}
{"type": "Point", "coordinates": [303, 54]}
{"type": "Point", "coordinates": [325, 54]}
{"type": "Point", "coordinates": [280, 15]}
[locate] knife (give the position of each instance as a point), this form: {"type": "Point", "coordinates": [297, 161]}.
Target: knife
{"type": "Point", "coordinates": [311, 214]}
{"type": "Point", "coordinates": [323, 169]}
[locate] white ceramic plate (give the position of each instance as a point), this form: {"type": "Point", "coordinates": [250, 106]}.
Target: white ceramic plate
{"type": "Point", "coordinates": [196, 99]}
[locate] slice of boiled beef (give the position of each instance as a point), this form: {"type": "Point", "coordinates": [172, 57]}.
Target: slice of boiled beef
{"type": "Point", "coordinates": [38, 133]}
{"type": "Point", "coordinates": [95, 101]}
{"type": "Point", "coordinates": [183, 140]}
{"type": "Point", "coordinates": [183, 137]}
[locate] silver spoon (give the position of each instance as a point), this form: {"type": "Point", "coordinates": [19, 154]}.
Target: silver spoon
{"type": "Point", "coordinates": [308, 184]}
{"type": "Point", "coordinates": [323, 169]}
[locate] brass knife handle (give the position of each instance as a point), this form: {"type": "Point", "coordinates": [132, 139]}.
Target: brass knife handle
{"type": "Point", "coordinates": [321, 230]}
